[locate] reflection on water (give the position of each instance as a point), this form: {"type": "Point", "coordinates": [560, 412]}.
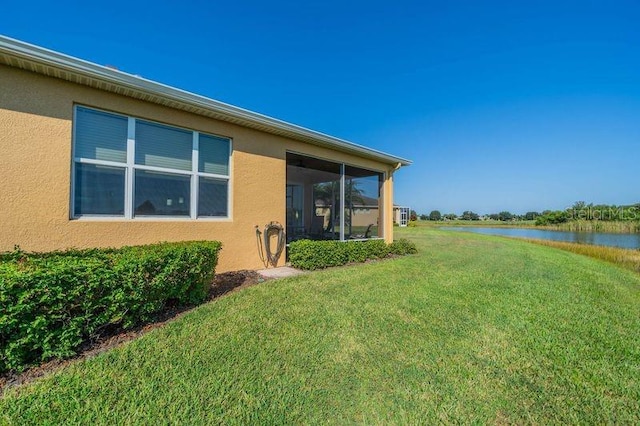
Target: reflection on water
{"type": "Point", "coordinates": [631, 241]}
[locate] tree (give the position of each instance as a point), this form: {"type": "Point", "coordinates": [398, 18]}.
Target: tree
{"type": "Point", "coordinates": [469, 215]}
{"type": "Point", "coordinates": [531, 215]}
{"type": "Point", "coordinates": [424, 217]}
{"type": "Point", "coordinates": [435, 215]}
{"type": "Point", "coordinates": [505, 216]}
{"type": "Point", "coordinates": [329, 192]}
{"type": "Point", "coordinates": [450, 216]}
{"type": "Point", "coordinates": [552, 218]}
{"type": "Point", "coordinates": [413, 216]}
{"type": "Point", "coordinates": [579, 205]}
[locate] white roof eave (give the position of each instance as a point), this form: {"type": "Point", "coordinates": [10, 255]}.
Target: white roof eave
{"type": "Point", "coordinates": [44, 61]}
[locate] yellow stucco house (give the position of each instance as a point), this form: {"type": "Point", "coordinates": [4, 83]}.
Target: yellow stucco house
{"type": "Point", "coordinates": [94, 157]}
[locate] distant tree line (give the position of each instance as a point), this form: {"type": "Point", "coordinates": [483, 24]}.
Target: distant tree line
{"type": "Point", "coordinates": [505, 216]}
{"type": "Point", "coordinates": [579, 211]}
{"type": "Point", "coordinates": [583, 211]}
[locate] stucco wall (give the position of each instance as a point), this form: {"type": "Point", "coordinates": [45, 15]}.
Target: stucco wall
{"type": "Point", "coordinates": [35, 160]}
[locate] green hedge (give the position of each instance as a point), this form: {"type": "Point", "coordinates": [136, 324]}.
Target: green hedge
{"type": "Point", "coordinates": [310, 255]}
{"type": "Point", "coordinates": [54, 302]}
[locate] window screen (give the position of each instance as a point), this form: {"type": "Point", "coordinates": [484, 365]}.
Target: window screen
{"type": "Point", "coordinates": [99, 190]}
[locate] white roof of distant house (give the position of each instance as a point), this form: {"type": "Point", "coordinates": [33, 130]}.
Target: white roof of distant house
{"type": "Point", "coordinates": [54, 64]}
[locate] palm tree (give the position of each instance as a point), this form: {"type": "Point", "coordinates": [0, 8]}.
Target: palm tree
{"type": "Point", "coordinates": [329, 194]}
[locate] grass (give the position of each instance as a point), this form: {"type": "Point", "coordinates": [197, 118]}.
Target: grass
{"type": "Point", "coordinates": [627, 258]}
{"type": "Point", "coordinates": [472, 329]}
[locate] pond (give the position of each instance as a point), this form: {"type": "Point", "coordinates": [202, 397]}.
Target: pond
{"type": "Point", "coordinates": [629, 241]}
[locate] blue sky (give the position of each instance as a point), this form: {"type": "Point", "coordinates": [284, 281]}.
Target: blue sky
{"type": "Point", "coordinates": [501, 105]}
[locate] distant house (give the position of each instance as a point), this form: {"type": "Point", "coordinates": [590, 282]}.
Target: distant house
{"type": "Point", "coordinates": [362, 215]}
{"type": "Point", "coordinates": [401, 215]}
{"type": "Point", "coordinates": [94, 157]}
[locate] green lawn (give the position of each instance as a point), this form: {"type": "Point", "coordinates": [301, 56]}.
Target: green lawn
{"type": "Point", "coordinates": [473, 328]}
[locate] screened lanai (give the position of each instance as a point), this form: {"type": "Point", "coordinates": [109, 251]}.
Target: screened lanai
{"type": "Point", "coordinates": [327, 200]}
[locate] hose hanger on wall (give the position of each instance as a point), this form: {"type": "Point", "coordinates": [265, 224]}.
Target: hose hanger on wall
{"type": "Point", "coordinates": [270, 230]}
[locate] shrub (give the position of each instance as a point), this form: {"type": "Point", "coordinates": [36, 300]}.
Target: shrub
{"type": "Point", "coordinates": [552, 218]}
{"type": "Point", "coordinates": [402, 247]}
{"type": "Point", "coordinates": [412, 224]}
{"type": "Point", "coordinates": [54, 302]}
{"type": "Point", "coordinates": [311, 255]}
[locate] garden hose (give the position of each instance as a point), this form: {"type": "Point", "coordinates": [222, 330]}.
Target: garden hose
{"type": "Point", "coordinates": [271, 229]}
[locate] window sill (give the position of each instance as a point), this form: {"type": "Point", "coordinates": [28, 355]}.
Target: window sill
{"type": "Point", "coordinates": [149, 219]}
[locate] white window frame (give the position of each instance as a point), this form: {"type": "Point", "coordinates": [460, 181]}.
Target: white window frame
{"type": "Point", "coordinates": [404, 216]}
{"type": "Point", "coordinates": [130, 168]}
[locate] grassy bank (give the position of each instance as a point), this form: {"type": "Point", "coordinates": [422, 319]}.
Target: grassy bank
{"type": "Point", "coordinates": [621, 227]}
{"type": "Point", "coordinates": [627, 258]}
{"type": "Point", "coordinates": [473, 328]}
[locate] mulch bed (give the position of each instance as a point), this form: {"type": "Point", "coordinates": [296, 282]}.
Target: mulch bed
{"type": "Point", "coordinates": [110, 338]}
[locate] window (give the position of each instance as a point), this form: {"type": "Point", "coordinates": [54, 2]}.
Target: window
{"type": "Point", "coordinates": [362, 192]}
{"type": "Point", "coordinates": [343, 202]}
{"type": "Point", "coordinates": [128, 167]}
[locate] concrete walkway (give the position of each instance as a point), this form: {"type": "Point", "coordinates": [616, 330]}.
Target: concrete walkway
{"type": "Point", "coordinates": [281, 272]}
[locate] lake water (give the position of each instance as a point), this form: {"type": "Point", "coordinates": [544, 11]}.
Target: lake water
{"type": "Point", "coordinates": [630, 241]}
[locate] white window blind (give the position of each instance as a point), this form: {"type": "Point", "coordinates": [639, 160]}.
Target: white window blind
{"type": "Point", "coordinates": [163, 146]}
{"type": "Point", "coordinates": [100, 136]}
{"type": "Point", "coordinates": [213, 155]}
